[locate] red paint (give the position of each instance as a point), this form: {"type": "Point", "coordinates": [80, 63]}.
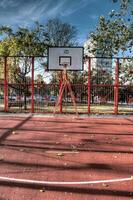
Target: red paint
{"type": "Point", "coordinates": [131, 72]}
{"type": "Point", "coordinates": [103, 152]}
{"type": "Point", "coordinates": [60, 84]}
{"type": "Point", "coordinates": [32, 87]}
{"type": "Point", "coordinates": [5, 85]}
{"type": "Point", "coordinates": [116, 87]}
{"type": "Point", "coordinates": [89, 84]}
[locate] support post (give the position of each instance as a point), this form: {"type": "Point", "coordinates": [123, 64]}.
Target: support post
{"type": "Point", "coordinates": [5, 85]}
{"type": "Point", "coordinates": [32, 86]}
{"type": "Point", "coordinates": [61, 96]}
{"type": "Point", "coordinates": [116, 87]}
{"type": "Point", "coordinates": [89, 84]}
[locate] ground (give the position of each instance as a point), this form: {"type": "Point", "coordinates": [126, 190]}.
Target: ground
{"type": "Point", "coordinates": [66, 149]}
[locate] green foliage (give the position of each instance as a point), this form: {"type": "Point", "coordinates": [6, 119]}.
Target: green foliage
{"type": "Point", "coordinates": [126, 72]}
{"type": "Point", "coordinates": [60, 34]}
{"type": "Point", "coordinates": [23, 42]}
{"type": "Point", "coordinates": [114, 34]}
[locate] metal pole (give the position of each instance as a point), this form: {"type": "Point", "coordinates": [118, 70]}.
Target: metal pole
{"type": "Point", "coordinates": [5, 85]}
{"type": "Point", "coordinates": [116, 87]}
{"type": "Point", "coordinates": [32, 86]}
{"type": "Point", "coordinates": [61, 96]}
{"type": "Point", "coordinates": [89, 84]}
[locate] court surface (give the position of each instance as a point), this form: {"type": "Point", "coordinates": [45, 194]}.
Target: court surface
{"type": "Point", "coordinates": [66, 149]}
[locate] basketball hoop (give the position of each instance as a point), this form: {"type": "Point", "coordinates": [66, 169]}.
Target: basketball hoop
{"type": "Point", "coordinates": [65, 58]}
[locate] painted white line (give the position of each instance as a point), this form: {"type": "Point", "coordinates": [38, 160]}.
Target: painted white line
{"type": "Point", "coordinates": [26, 181]}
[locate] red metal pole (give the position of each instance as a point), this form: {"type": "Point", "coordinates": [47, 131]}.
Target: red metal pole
{"type": "Point", "coordinates": [89, 84]}
{"type": "Point", "coordinates": [32, 86]}
{"type": "Point", "coordinates": [5, 85]}
{"type": "Point", "coordinates": [61, 96]}
{"type": "Point", "coordinates": [116, 87]}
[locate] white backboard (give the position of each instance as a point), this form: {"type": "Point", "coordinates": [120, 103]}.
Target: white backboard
{"type": "Point", "coordinates": [71, 56]}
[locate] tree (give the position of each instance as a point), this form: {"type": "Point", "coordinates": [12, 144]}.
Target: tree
{"type": "Point", "coordinates": [114, 34]}
{"type": "Point", "coordinates": [126, 72]}
{"type": "Point", "coordinates": [60, 33]}
{"type": "Point", "coordinates": [24, 42]}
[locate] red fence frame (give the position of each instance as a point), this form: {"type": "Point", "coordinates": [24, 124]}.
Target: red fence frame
{"type": "Point", "coordinates": [32, 86]}
{"type": "Point", "coordinates": [89, 84]}
{"type": "Point", "coordinates": [116, 87]}
{"type": "Point", "coordinates": [5, 85]}
{"type": "Point", "coordinates": [89, 61]}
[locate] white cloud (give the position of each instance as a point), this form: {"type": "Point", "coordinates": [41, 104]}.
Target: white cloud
{"type": "Point", "coordinates": [10, 3]}
{"type": "Point", "coordinates": [26, 11]}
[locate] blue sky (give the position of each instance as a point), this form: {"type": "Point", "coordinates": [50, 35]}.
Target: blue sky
{"type": "Point", "coordinates": [83, 14]}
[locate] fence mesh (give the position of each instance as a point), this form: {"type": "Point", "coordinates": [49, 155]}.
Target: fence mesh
{"type": "Point", "coordinates": [27, 86]}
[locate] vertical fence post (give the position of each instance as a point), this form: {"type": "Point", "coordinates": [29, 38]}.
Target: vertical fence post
{"type": "Point", "coordinates": [32, 86]}
{"type": "Point", "coordinates": [116, 87]}
{"type": "Point", "coordinates": [5, 85]}
{"type": "Point", "coordinates": [89, 84]}
{"type": "Point", "coordinates": [60, 86]}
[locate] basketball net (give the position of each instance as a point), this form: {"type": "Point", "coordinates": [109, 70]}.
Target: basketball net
{"type": "Point", "coordinates": [65, 84]}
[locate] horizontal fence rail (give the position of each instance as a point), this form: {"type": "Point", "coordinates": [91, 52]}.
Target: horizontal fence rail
{"type": "Point", "coordinates": [104, 86]}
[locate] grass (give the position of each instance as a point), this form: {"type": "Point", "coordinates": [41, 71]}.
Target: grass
{"type": "Point", "coordinates": [82, 108]}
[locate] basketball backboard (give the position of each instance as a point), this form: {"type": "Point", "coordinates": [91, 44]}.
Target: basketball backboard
{"type": "Point", "coordinates": [72, 57]}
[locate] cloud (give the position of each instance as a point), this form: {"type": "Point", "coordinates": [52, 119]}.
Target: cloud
{"type": "Point", "coordinates": [14, 12]}
{"type": "Point", "coordinates": [22, 11]}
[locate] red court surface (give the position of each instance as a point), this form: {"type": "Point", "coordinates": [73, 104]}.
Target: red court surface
{"type": "Point", "coordinates": [66, 149]}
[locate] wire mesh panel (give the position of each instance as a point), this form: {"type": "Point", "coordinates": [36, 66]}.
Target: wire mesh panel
{"type": "Point", "coordinates": [102, 80]}
{"type": "Point", "coordinates": [102, 99]}
{"type": "Point", "coordinates": [105, 86]}
{"type": "Point", "coordinates": [78, 83]}
{"type": "Point", "coordinates": [2, 84]}
{"type": "Point", "coordinates": [45, 92]}
{"type": "Point", "coordinates": [1, 97]}
{"type": "Point", "coordinates": [126, 85]}
{"type": "Point", "coordinates": [51, 94]}
{"type": "Point", "coordinates": [19, 84]}
{"type": "Point", "coordinates": [126, 99]}
{"type": "Point", "coordinates": [80, 94]}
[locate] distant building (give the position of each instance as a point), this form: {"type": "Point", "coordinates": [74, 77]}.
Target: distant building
{"type": "Point", "coordinates": [100, 60]}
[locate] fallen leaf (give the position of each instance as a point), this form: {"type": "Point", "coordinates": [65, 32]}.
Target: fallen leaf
{"type": "Point", "coordinates": [73, 147]}
{"type": "Point", "coordinates": [105, 185]}
{"type": "Point", "coordinates": [42, 190]}
{"type": "Point", "coordinates": [115, 138]}
{"type": "Point", "coordinates": [21, 150]}
{"type": "Point", "coordinates": [57, 143]}
{"type": "Point", "coordinates": [60, 154]}
{"type": "Point", "coordinates": [13, 132]}
{"type": "Point", "coordinates": [1, 158]}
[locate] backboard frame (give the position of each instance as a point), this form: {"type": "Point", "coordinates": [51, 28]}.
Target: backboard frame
{"type": "Point", "coordinates": [67, 47]}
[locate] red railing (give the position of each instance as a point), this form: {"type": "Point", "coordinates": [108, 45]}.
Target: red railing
{"type": "Point", "coordinates": [100, 90]}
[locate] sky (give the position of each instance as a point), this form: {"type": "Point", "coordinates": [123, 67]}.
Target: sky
{"type": "Point", "coordinates": [83, 14]}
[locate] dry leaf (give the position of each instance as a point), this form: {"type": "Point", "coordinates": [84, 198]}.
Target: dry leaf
{"type": "Point", "coordinates": [60, 154]}
{"type": "Point", "coordinates": [42, 190]}
{"type": "Point", "coordinates": [105, 185]}
{"type": "Point", "coordinates": [1, 158]}
{"type": "Point", "coordinates": [13, 132]}
{"type": "Point", "coordinates": [57, 143]}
